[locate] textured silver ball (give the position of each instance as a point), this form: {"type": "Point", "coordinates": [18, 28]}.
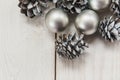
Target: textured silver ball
{"type": "Point", "coordinates": [56, 20]}
{"type": "Point", "coordinates": [87, 22]}
{"type": "Point", "coordinates": [99, 4]}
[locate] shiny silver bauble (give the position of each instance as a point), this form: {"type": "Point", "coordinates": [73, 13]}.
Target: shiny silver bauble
{"type": "Point", "coordinates": [87, 22]}
{"type": "Point", "coordinates": [56, 20]}
{"type": "Point", "coordinates": [99, 4]}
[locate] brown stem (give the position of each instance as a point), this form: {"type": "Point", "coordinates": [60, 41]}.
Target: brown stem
{"type": "Point", "coordinates": [55, 63]}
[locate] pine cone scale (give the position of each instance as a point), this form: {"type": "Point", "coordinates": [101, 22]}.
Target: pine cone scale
{"type": "Point", "coordinates": [115, 7]}
{"type": "Point", "coordinates": [69, 46]}
{"type": "Point", "coordinates": [109, 28]}
{"type": "Point", "coordinates": [32, 8]}
{"type": "Point", "coordinates": [72, 6]}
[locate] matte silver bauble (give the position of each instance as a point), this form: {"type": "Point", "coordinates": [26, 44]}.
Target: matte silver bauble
{"type": "Point", "coordinates": [56, 20]}
{"type": "Point", "coordinates": [87, 22]}
{"type": "Point", "coordinates": [99, 4]}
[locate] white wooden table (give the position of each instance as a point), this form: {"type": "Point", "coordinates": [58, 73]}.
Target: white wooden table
{"type": "Point", "coordinates": [27, 52]}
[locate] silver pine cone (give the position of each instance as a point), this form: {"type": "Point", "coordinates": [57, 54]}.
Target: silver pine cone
{"type": "Point", "coordinates": [32, 8]}
{"type": "Point", "coordinates": [115, 7]}
{"type": "Point", "coordinates": [72, 6]}
{"type": "Point", "coordinates": [109, 28]}
{"type": "Point", "coordinates": [70, 46]}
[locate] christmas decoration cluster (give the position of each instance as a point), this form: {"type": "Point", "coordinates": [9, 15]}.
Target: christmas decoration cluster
{"type": "Point", "coordinates": [87, 21]}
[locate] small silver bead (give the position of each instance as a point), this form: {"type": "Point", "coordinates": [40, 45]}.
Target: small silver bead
{"type": "Point", "coordinates": [99, 4]}
{"type": "Point", "coordinates": [56, 20]}
{"type": "Point", "coordinates": [87, 22]}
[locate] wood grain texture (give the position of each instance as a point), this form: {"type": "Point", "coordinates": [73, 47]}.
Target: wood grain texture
{"type": "Point", "coordinates": [26, 46]}
{"type": "Point", "coordinates": [27, 52]}
{"type": "Point", "coordinates": [101, 61]}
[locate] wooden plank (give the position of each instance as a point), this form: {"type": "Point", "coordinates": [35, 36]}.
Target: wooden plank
{"type": "Point", "coordinates": [101, 61]}
{"type": "Point", "coordinates": [26, 46]}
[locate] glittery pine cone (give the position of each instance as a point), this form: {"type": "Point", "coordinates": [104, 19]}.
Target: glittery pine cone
{"type": "Point", "coordinates": [109, 28]}
{"type": "Point", "coordinates": [72, 6]}
{"type": "Point", "coordinates": [32, 8]}
{"type": "Point", "coordinates": [115, 7]}
{"type": "Point", "coordinates": [70, 46]}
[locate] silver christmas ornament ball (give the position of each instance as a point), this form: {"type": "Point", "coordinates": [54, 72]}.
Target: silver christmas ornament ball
{"type": "Point", "coordinates": [99, 4]}
{"type": "Point", "coordinates": [56, 20]}
{"type": "Point", "coordinates": [87, 22]}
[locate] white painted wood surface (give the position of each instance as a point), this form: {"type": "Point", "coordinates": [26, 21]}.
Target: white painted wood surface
{"type": "Point", "coordinates": [26, 47]}
{"type": "Point", "coordinates": [27, 52]}
{"type": "Point", "coordinates": [101, 61]}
